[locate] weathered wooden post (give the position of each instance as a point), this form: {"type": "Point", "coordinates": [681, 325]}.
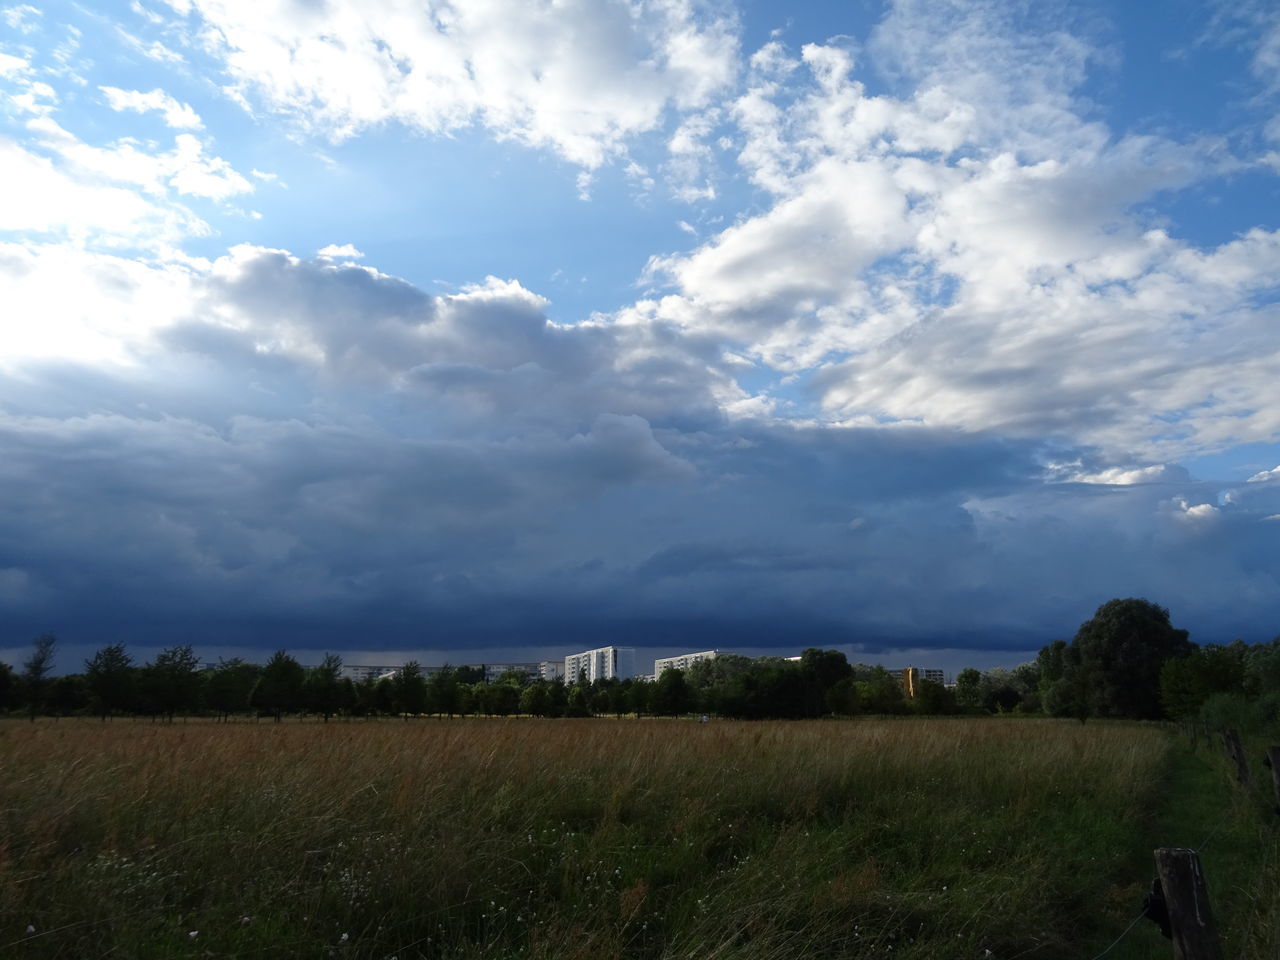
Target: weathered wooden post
{"type": "Point", "coordinates": [1273, 761]}
{"type": "Point", "coordinates": [1236, 749]}
{"type": "Point", "coordinates": [1194, 934]}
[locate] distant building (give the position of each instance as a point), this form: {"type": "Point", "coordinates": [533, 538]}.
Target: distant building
{"type": "Point", "coordinates": [359, 672]}
{"type": "Point", "coordinates": [492, 671]}
{"type": "Point", "coordinates": [551, 670]}
{"type": "Point", "coordinates": [682, 662]}
{"type": "Point", "coordinates": [605, 663]}
{"type": "Point", "coordinates": [912, 677]}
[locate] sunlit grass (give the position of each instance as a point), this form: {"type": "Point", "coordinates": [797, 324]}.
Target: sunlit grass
{"type": "Point", "coordinates": [590, 839]}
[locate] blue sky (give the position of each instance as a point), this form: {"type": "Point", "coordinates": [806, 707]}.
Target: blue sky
{"type": "Point", "coordinates": [493, 330]}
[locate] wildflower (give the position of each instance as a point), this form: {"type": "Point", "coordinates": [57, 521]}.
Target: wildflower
{"type": "Point", "coordinates": [31, 928]}
{"type": "Point", "coordinates": [244, 921]}
{"type": "Point", "coordinates": [344, 938]}
{"type": "Point", "coordinates": [192, 933]}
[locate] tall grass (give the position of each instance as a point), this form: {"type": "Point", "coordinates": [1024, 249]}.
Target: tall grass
{"type": "Point", "coordinates": [570, 839]}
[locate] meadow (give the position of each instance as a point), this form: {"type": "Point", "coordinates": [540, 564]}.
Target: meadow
{"type": "Point", "coordinates": [590, 839]}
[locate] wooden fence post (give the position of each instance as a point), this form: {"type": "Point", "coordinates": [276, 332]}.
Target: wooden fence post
{"type": "Point", "coordinates": [1273, 761]}
{"type": "Point", "coordinates": [1236, 749]}
{"type": "Point", "coordinates": [1195, 935]}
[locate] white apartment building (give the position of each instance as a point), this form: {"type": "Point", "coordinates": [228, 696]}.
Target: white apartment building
{"type": "Point", "coordinates": [551, 670]}
{"type": "Point", "coordinates": [682, 662]}
{"type": "Point", "coordinates": [359, 672]}
{"type": "Point", "coordinates": [605, 663]}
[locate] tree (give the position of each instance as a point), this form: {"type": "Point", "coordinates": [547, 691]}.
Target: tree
{"type": "Point", "coordinates": [1122, 649]}
{"type": "Point", "coordinates": [932, 698]}
{"type": "Point", "coordinates": [842, 699]}
{"type": "Point", "coordinates": [112, 680]}
{"type": "Point", "coordinates": [515, 677]}
{"type": "Point", "coordinates": [35, 672]}
{"type": "Point", "coordinates": [442, 691]}
{"type": "Point", "coordinates": [503, 699]}
{"type": "Point", "coordinates": [1262, 669]}
{"type": "Point", "coordinates": [881, 692]}
{"type": "Point", "coordinates": [1186, 683]}
{"type": "Point", "coordinates": [670, 696]}
{"type": "Point", "coordinates": [172, 681]}
{"type": "Point", "coordinates": [827, 668]}
{"type": "Point", "coordinates": [8, 688]}
{"type": "Point", "coordinates": [410, 689]}
{"type": "Point", "coordinates": [67, 694]}
{"type": "Point", "coordinates": [279, 689]}
{"type": "Point", "coordinates": [535, 700]}
{"type": "Point", "coordinates": [230, 685]}
{"type": "Point", "coordinates": [322, 689]}
{"type": "Point", "coordinates": [967, 694]}
{"type": "Point", "coordinates": [577, 705]}
{"type": "Point", "coordinates": [384, 696]}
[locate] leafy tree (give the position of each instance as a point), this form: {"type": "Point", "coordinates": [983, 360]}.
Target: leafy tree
{"type": "Point", "coordinates": [1182, 687]}
{"type": "Point", "coordinates": [442, 694]}
{"type": "Point", "coordinates": [933, 699]}
{"type": "Point", "coordinates": [322, 688]}
{"type": "Point", "coordinates": [842, 699]}
{"type": "Point", "coordinates": [230, 685]}
{"type": "Point", "coordinates": [618, 696]}
{"type": "Point", "coordinates": [35, 672]}
{"type": "Point", "coordinates": [558, 694]}
{"type": "Point", "coordinates": [881, 692]}
{"type": "Point", "coordinates": [469, 674]}
{"type": "Point", "coordinates": [8, 688]}
{"type": "Point", "coordinates": [112, 680]}
{"type": "Point", "coordinates": [410, 689]}
{"type": "Point", "coordinates": [1186, 683]}
{"type": "Point", "coordinates": [999, 691]}
{"type": "Point", "coordinates": [384, 696]}
{"type": "Point", "coordinates": [1122, 649]}
{"type": "Point", "coordinates": [968, 696]}
{"type": "Point", "coordinates": [535, 700]}
{"type": "Point", "coordinates": [67, 695]}
{"type": "Point", "coordinates": [577, 705]}
{"type": "Point", "coordinates": [670, 696]}
{"type": "Point", "coordinates": [279, 688]}
{"type": "Point", "coordinates": [503, 699]}
{"type": "Point", "coordinates": [515, 678]}
{"type": "Point", "coordinates": [172, 681]}
{"type": "Point", "coordinates": [1262, 669]}
{"type": "Point", "coordinates": [827, 668]}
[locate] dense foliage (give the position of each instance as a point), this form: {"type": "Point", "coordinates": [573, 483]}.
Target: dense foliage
{"type": "Point", "coordinates": [1127, 661]}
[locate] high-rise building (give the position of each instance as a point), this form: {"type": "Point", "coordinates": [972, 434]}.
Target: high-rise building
{"type": "Point", "coordinates": [604, 663]}
{"type": "Point", "coordinates": [682, 662]}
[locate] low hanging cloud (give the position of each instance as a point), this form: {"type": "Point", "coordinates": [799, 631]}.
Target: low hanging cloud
{"type": "Point", "coordinates": [324, 447]}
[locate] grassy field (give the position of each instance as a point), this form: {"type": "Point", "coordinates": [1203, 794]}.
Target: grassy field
{"type": "Point", "coordinates": [575, 839]}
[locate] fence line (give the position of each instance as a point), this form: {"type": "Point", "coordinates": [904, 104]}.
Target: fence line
{"type": "Point", "coordinates": [1179, 897]}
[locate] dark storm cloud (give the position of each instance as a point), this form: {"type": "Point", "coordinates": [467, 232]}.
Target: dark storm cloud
{"type": "Point", "coordinates": [320, 456]}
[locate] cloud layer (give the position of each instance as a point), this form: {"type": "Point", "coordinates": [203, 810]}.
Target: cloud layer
{"type": "Point", "coordinates": [930, 385]}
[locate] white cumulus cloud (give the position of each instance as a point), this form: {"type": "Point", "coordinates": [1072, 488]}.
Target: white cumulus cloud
{"type": "Point", "coordinates": [577, 77]}
{"type": "Point", "coordinates": [179, 116]}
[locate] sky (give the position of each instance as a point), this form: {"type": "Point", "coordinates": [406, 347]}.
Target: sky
{"type": "Point", "coordinates": [501, 329]}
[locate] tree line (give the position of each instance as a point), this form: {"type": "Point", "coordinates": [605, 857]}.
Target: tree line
{"type": "Point", "coordinates": [1127, 661]}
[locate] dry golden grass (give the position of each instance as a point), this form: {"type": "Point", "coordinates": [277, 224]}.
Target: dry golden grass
{"type": "Point", "coordinates": [592, 839]}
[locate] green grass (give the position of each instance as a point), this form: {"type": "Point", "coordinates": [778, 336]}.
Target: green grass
{"type": "Point", "coordinates": [592, 839]}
